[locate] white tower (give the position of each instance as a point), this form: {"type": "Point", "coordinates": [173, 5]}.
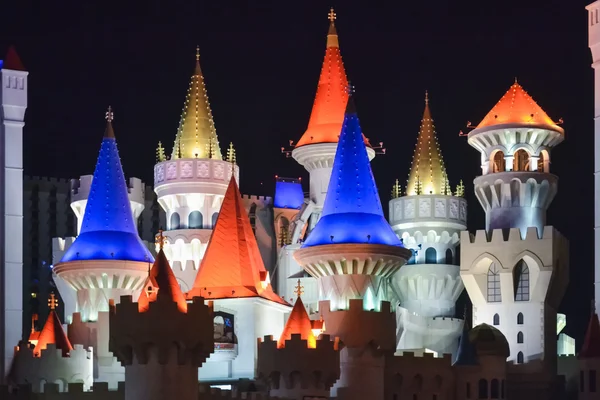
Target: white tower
{"type": "Point", "coordinates": [594, 43]}
{"type": "Point", "coordinates": [13, 92]}
{"type": "Point", "coordinates": [516, 272]}
{"type": "Point", "coordinates": [190, 185]}
{"type": "Point", "coordinates": [428, 219]}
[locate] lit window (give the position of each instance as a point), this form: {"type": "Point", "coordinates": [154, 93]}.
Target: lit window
{"type": "Point", "coordinates": [521, 281]}
{"type": "Point", "coordinates": [493, 284]}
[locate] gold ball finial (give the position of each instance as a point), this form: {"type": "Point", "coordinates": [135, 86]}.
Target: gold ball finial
{"type": "Point", "coordinates": [332, 15]}
{"type": "Point", "coordinates": [299, 289]}
{"type": "Point", "coordinates": [52, 301]}
{"type": "Point", "coordinates": [160, 239]}
{"type": "Point", "coordinates": [109, 116]}
{"type": "Point", "coordinates": [197, 53]}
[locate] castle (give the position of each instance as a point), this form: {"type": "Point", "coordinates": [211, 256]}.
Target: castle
{"type": "Point", "coordinates": [298, 296]}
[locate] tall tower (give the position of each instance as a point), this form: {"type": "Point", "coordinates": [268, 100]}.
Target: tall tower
{"type": "Point", "coordinates": [516, 271]}
{"type": "Point", "coordinates": [13, 92]}
{"type": "Point", "coordinates": [594, 44]}
{"type": "Point", "coordinates": [428, 219]}
{"type": "Point", "coordinates": [190, 185]}
{"type": "Point", "coordinates": [353, 252]}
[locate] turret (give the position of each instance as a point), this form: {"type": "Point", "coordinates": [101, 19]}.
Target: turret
{"type": "Point", "coordinates": [298, 365]}
{"type": "Point", "coordinates": [190, 185]}
{"type": "Point", "coordinates": [589, 360]}
{"type": "Point", "coordinates": [428, 219]}
{"type": "Point", "coordinates": [353, 252]}
{"type": "Point", "coordinates": [161, 340]}
{"type": "Point", "coordinates": [13, 94]}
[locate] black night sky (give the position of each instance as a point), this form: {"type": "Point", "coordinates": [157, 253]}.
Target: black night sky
{"type": "Point", "coordinates": [261, 61]}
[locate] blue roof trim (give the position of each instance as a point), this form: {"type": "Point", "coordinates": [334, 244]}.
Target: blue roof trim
{"type": "Point", "coordinates": [1, 63]}
{"type": "Point", "coordinates": [108, 231]}
{"type": "Point", "coordinates": [352, 211]}
{"type": "Point", "coordinates": [466, 354]}
{"type": "Point", "coordinates": [288, 195]}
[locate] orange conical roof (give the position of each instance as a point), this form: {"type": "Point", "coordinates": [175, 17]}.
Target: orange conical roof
{"type": "Point", "coordinates": [427, 170]}
{"type": "Point", "coordinates": [328, 109]}
{"type": "Point", "coordinates": [298, 323]}
{"type": "Point", "coordinates": [517, 107]}
{"type": "Point", "coordinates": [53, 333]}
{"type": "Point", "coordinates": [591, 344]}
{"type": "Point", "coordinates": [162, 284]}
{"type": "Point", "coordinates": [232, 266]}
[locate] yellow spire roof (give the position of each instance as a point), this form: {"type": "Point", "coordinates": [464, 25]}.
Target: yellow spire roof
{"type": "Point", "coordinates": [197, 136]}
{"type": "Point", "coordinates": [427, 173]}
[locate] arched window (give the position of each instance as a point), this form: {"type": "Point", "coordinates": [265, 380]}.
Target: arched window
{"type": "Point", "coordinates": [520, 357]}
{"type": "Point", "coordinates": [540, 164]}
{"type": "Point", "coordinates": [223, 328]}
{"type": "Point", "coordinates": [449, 257]}
{"type": "Point", "coordinates": [252, 217]}
{"type": "Point", "coordinates": [493, 284]}
{"type": "Point", "coordinates": [520, 319]}
{"type": "Point", "coordinates": [195, 220]}
{"type": "Point", "coordinates": [495, 389]}
{"type": "Point", "coordinates": [496, 321]}
{"type": "Point", "coordinates": [498, 164]}
{"type": "Point", "coordinates": [521, 281]}
{"type": "Point", "coordinates": [483, 389]}
{"type": "Point", "coordinates": [521, 161]}
{"type": "Point", "coordinates": [430, 256]}
{"type": "Point", "coordinates": [520, 337]}
{"type": "Point", "coordinates": [214, 218]}
{"type": "Point", "coordinates": [174, 221]}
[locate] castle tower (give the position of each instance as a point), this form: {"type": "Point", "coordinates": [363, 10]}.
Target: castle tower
{"type": "Point", "coordinates": [594, 44]}
{"type": "Point", "coordinates": [233, 276]}
{"type": "Point", "coordinates": [589, 361]}
{"type": "Point", "coordinates": [13, 94]}
{"type": "Point", "coordinates": [428, 219]}
{"type": "Point", "coordinates": [298, 366]}
{"type": "Point", "coordinates": [516, 272]}
{"type": "Point", "coordinates": [353, 252]}
{"type": "Point", "coordinates": [161, 340]}
{"type": "Point", "coordinates": [53, 359]}
{"type": "Point", "coordinates": [190, 185]}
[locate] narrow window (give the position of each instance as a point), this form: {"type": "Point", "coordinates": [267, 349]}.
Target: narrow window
{"type": "Point", "coordinates": [174, 221]}
{"type": "Point", "coordinates": [483, 389]}
{"type": "Point", "coordinates": [502, 389]}
{"type": "Point", "coordinates": [520, 337]}
{"type": "Point", "coordinates": [520, 319]}
{"type": "Point", "coordinates": [498, 164]}
{"type": "Point", "coordinates": [521, 281]}
{"type": "Point", "coordinates": [195, 220]}
{"type": "Point", "coordinates": [581, 381]}
{"type": "Point", "coordinates": [430, 256]}
{"type": "Point", "coordinates": [496, 320]}
{"type": "Point", "coordinates": [493, 284]}
{"type": "Point", "coordinates": [592, 381]}
{"type": "Point", "coordinates": [468, 390]}
{"type": "Point", "coordinates": [520, 357]}
{"type": "Point", "coordinates": [449, 257]}
{"type": "Point", "coordinates": [495, 389]}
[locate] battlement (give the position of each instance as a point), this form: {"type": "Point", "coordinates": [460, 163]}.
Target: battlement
{"type": "Point", "coordinates": [80, 189]}
{"type": "Point", "coordinates": [62, 244]}
{"type": "Point", "coordinates": [74, 391]}
{"type": "Point", "coordinates": [218, 394]}
{"type": "Point", "coordinates": [45, 180]}
{"type": "Point", "coordinates": [163, 328]}
{"type": "Point", "coordinates": [506, 235]}
{"type": "Point", "coordinates": [412, 355]}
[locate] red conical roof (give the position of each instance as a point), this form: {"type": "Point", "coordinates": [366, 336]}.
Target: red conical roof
{"type": "Point", "coordinates": [328, 109]}
{"type": "Point", "coordinates": [53, 333]}
{"type": "Point", "coordinates": [12, 60]}
{"type": "Point", "coordinates": [591, 344]}
{"type": "Point", "coordinates": [163, 285]}
{"type": "Point", "coordinates": [232, 266]}
{"type": "Point", "coordinates": [518, 107]}
{"type": "Point", "coordinates": [298, 323]}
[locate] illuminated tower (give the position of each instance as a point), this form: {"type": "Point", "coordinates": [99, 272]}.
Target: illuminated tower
{"type": "Point", "coordinates": [13, 93]}
{"type": "Point", "coordinates": [353, 252]}
{"type": "Point", "coordinates": [190, 185]}
{"type": "Point", "coordinates": [428, 219]}
{"type": "Point", "coordinates": [594, 44]}
{"type": "Point", "coordinates": [516, 271]}
{"type": "Point", "coordinates": [233, 276]}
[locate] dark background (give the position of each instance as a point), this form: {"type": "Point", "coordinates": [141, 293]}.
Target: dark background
{"type": "Point", "coordinates": [261, 61]}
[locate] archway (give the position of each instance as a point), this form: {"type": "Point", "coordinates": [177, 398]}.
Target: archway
{"type": "Point", "coordinates": [498, 163]}
{"type": "Point", "coordinates": [195, 220]}
{"type": "Point", "coordinates": [174, 221]}
{"type": "Point", "coordinates": [521, 160]}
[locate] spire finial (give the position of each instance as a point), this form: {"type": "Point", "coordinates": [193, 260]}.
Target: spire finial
{"type": "Point", "coordinates": [332, 15]}
{"type": "Point", "coordinates": [109, 116]}
{"type": "Point", "coordinates": [160, 239]}
{"type": "Point", "coordinates": [197, 53]}
{"type": "Point", "coordinates": [52, 301]}
{"type": "Point", "coordinates": [350, 89]}
{"type": "Point", "coordinates": [426, 97]}
{"type": "Point", "coordinates": [516, 81]}
{"type": "Point", "coordinates": [299, 289]}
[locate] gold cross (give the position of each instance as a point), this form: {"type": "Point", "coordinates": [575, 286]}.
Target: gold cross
{"type": "Point", "coordinates": [331, 15]}
{"type": "Point", "coordinates": [299, 289]}
{"type": "Point", "coordinates": [160, 240]}
{"type": "Point", "coordinates": [109, 114]}
{"type": "Point", "coordinates": [52, 301]}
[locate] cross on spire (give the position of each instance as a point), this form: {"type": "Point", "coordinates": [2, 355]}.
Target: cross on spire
{"type": "Point", "coordinates": [331, 16]}
{"type": "Point", "coordinates": [160, 239]}
{"type": "Point", "coordinates": [299, 289]}
{"type": "Point", "coordinates": [109, 116]}
{"type": "Point", "coordinates": [52, 301]}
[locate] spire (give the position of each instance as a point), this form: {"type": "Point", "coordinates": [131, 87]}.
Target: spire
{"type": "Point", "coordinates": [161, 283]}
{"type": "Point", "coordinates": [518, 107]}
{"type": "Point", "coordinates": [298, 323]}
{"type": "Point", "coordinates": [352, 211]}
{"type": "Point", "coordinates": [427, 164]}
{"type": "Point", "coordinates": [52, 332]}
{"type": "Point", "coordinates": [591, 344]}
{"type": "Point", "coordinates": [232, 266]}
{"type": "Point", "coordinates": [12, 60]}
{"type": "Point", "coordinates": [108, 231]}
{"type": "Point", "coordinates": [327, 114]}
{"type": "Point", "coordinates": [466, 354]}
{"type": "Point", "coordinates": [109, 133]}
{"type": "Point", "coordinates": [197, 136]}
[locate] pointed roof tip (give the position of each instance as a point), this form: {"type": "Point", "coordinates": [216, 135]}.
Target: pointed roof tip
{"type": "Point", "coordinates": [161, 283]}
{"type": "Point", "coordinates": [332, 38]}
{"type": "Point", "coordinates": [350, 105]}
{"type": "Point", "coordinates": [197, 69]}
{"type": "Point", "coordinates": [298, 323]}
{"type": "Point", "coordinates": [12, 60]}
{"type": "Point", "coordinates": [426, 97]}
{"type": "Point", "coordinates": [53, 333]}
{"type": "Point", "coordinates": [109, 132]}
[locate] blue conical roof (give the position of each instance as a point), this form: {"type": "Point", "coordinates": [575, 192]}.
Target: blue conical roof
{"type": "Point", "coordinates": [108, 231]}
{"type": "Point", "coordinates": [466, 354]}
{"type": "Point", "coordinates": [352, 211]}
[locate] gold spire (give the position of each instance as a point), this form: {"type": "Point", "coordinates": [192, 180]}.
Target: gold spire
{"type": "Point", "coordinates": [299, 289]}
{"type": "Point", "coordinates": [160, 239]}
{"type": "Point", "coordinates": [332, 36]}
{"type": "Point", "coordinates": [427, 174]}
{"type": "Point", "coordinates": [52, 301]}
{"type": "Point", "coordinates": [197, 136]}
{"type": "Point", "coordinates": [109, 116]}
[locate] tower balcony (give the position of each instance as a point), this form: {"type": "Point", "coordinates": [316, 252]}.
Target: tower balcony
{"type": "Point", "coordinates": [427, 212]}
